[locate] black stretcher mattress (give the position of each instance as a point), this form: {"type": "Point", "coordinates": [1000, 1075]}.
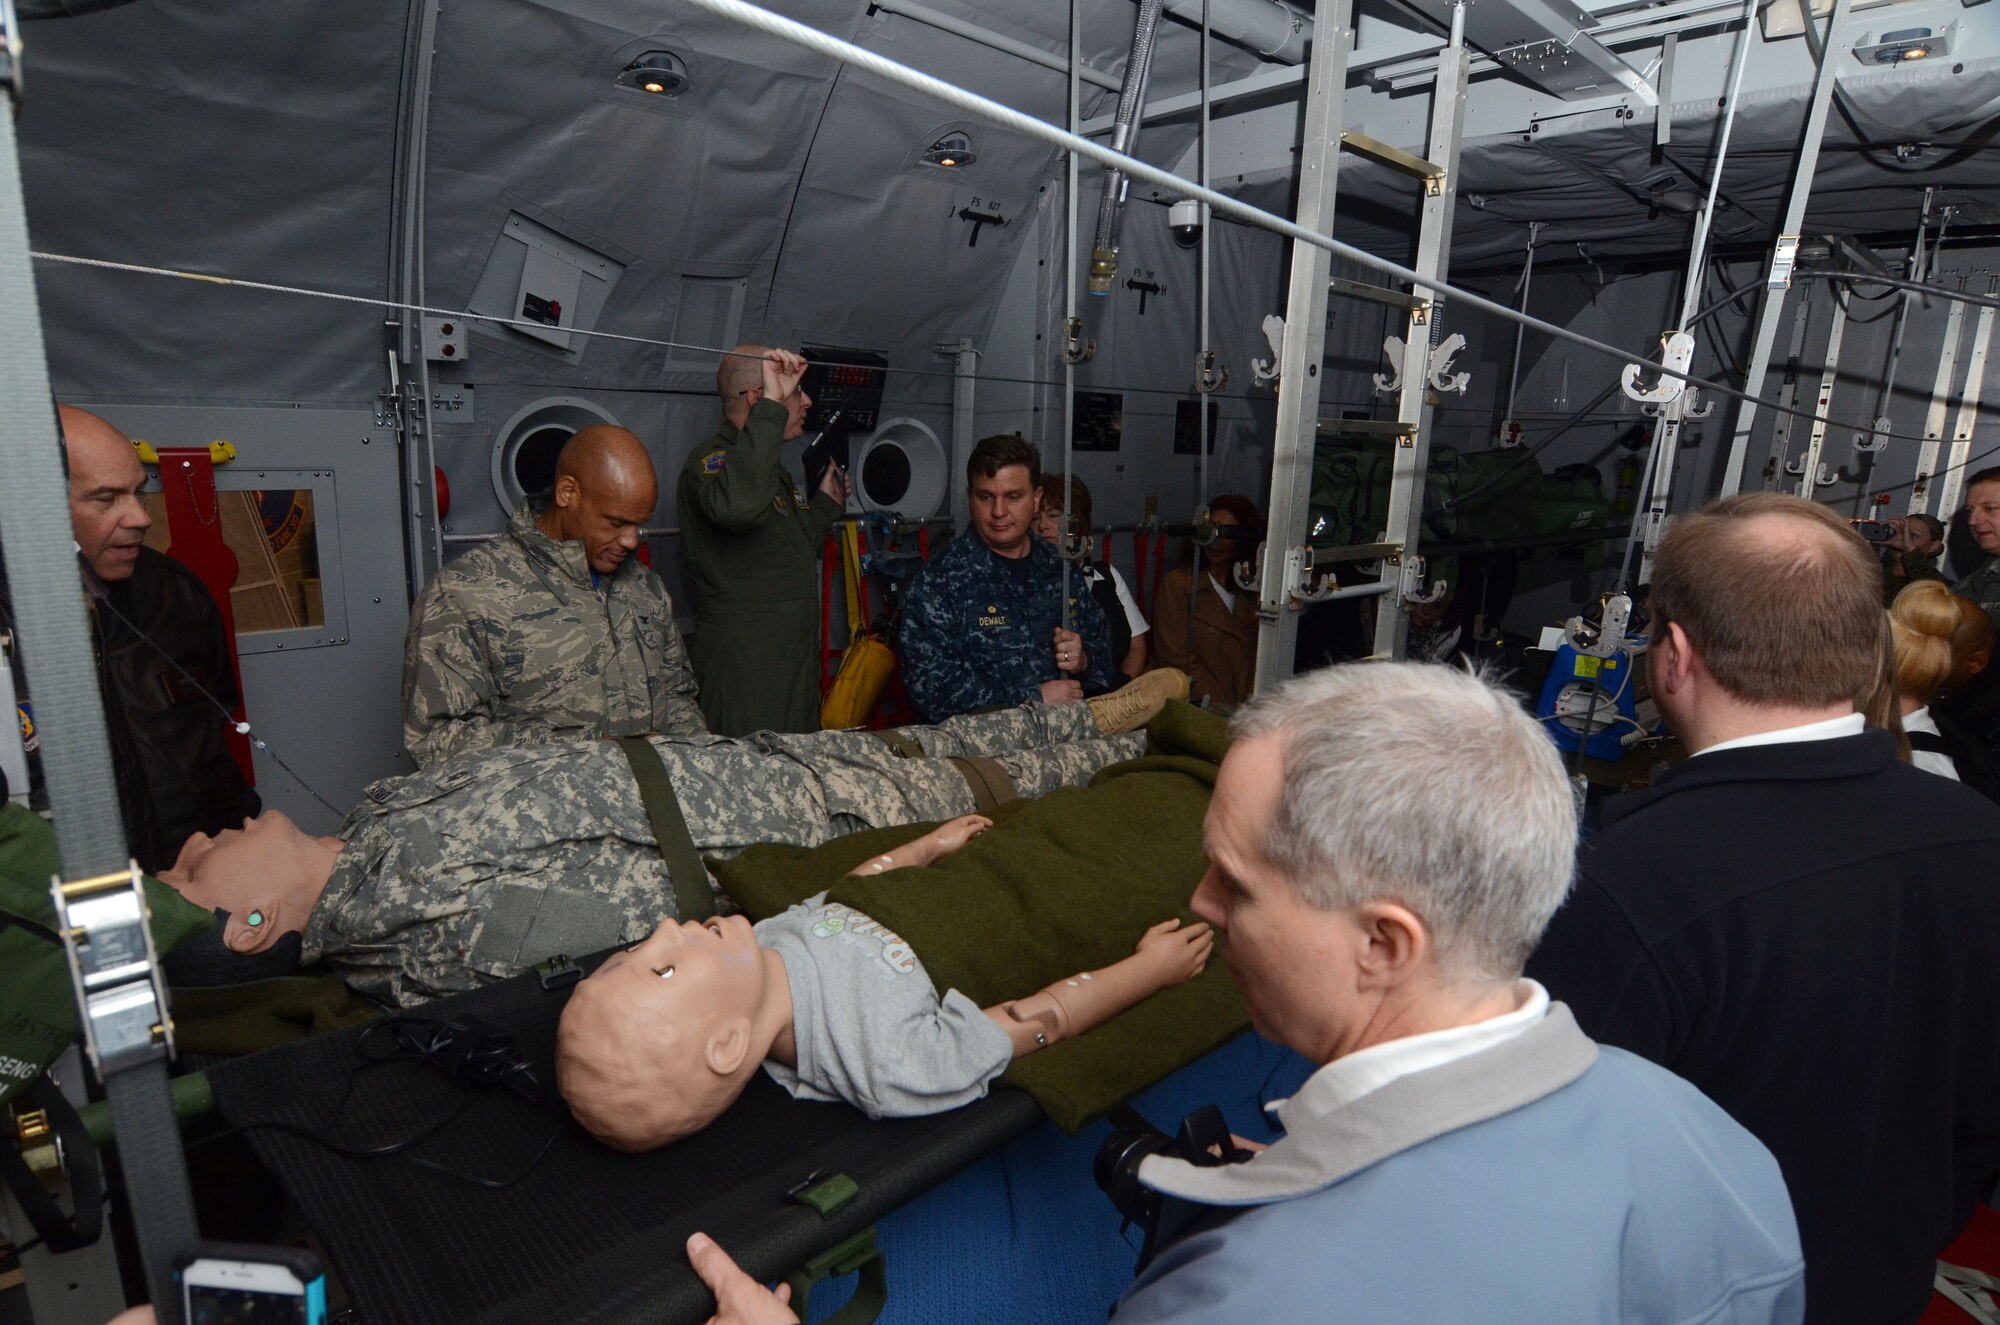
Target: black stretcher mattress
{"type": "Point", "coordinates": [589, 1234]}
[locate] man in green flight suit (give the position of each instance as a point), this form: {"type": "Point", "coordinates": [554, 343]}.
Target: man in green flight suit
{"type": "Point", "coordinates": [750, 540]}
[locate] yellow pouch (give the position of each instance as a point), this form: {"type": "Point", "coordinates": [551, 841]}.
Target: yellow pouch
{"type": "Point", "coordinates": [864, 673]}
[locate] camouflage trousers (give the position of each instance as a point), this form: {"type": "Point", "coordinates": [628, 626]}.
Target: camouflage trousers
{"type": "Point", "coordinates": [866, 781]}
{"type": "Point", "coordinates": [481, 866]}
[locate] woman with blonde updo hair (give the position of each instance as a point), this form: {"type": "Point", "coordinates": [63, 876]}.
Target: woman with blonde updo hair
{"type": "Point", "coordinates": [1924, 623]}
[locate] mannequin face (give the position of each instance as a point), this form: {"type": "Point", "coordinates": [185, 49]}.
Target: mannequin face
{"type": "Point", "coordinates": [662, 1037]}
{"type": "Point", "coordinates": [267, 874]}
{"type": "Point", "coordinates": [695, 969]}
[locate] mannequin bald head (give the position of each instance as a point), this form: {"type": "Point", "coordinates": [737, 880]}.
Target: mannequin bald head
{"type": "Point", "coordinates": [663, 1037]}
{"type": "Point", "coordinates": [605, 492]}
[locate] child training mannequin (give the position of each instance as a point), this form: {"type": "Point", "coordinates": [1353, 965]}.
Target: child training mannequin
{"type": "Point", "coordinates": [663, 1037]}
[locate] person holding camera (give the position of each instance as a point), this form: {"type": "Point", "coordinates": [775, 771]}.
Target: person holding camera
{"type": "Point", "coordinates": [1386, 843]}
{"type": "Point", "coordinates": [751, 543]}
{"type": "Point", "coordinates": [1910, 552]}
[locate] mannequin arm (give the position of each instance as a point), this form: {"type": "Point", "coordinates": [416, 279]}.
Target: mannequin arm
{"type": "Point", "coordinates": [928, 849]}
{"type": "Point", "coordinates": [1167, 955]}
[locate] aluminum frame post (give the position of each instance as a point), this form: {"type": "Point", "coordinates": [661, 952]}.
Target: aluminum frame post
{"type": "Point", "coordinates": [1780, 278]}
{"type": "Point", "coordinates": [1829, 375]}
{"type": "Point", "coordinates": [1304, 349]}
{"type": "Point", "coordinates": [1927, 454]}
{"type": "Point", "coordinates": [1952, 480]}
{"type": "Point", "coordinates": [1781, 430]}
{"type": "Point", "coordinates": [1656, 480]}
{"type": "Point", "coordinates": [1412, 450]}
{"type": "Point", "coordinates": [964, 381]}
{"type": "Point", "coordinates": [409, 394]}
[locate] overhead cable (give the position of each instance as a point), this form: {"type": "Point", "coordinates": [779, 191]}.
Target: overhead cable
{"type": "Point", "coordinates": [1009, 118]}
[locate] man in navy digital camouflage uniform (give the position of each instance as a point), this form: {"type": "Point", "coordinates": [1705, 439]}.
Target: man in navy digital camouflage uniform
{"type": "Point", "coordinates": [983, 625]}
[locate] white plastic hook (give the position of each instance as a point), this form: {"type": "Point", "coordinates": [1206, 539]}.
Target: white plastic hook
{"type": "Point", "coordinates": [1249, 574]}
{"type": "Point", "coordinates": [1442, 379]}
{"type": "Point", "coordinates": [1392, 382]}
{"type": "Point", "coordinates": [1411, 592]}
{"type": "Point", "coordinates": [1676, 352]}
{"type": "Point", "coordinates": [1266, 370]}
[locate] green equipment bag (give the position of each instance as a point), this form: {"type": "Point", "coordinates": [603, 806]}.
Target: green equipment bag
{"type": "Point", "coordinates": [1481, 495]}
{"type": "Point", "coordinates": [1350, 494]}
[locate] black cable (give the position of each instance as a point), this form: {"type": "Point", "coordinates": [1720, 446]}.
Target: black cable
{"type": "Point", "coordinates": [1897, 282]}
{"type": "Point", "coordinates": [478, 1061]}
{"type": "Point", "coordinates": [228, 715]}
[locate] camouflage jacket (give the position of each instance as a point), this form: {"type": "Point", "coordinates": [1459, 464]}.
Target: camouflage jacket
{"type": "Point", "coordinates": [512, 644]}
{"type": "Point", "coordinates": [1983, 587]}
{"type": "Point", "coordinates": [979, 629]}
{"type": "Point", "coordinates": [480, 867]}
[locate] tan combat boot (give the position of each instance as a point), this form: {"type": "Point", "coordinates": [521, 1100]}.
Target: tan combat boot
{"type": "Point", "coordinates": [1132, 706]}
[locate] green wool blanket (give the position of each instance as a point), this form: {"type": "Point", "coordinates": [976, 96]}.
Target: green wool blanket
{"type": "Point", "coordinates": [1063, 884]}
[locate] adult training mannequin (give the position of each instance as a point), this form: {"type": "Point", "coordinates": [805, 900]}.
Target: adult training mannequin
{"type": "Point", "coordinates": [474, 870]}
{"type": "Point", "coordinates": [663, 1037]}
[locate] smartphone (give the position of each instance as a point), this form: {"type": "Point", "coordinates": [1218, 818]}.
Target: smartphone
{"type": "Point", "coordinates": [227, 1283]}
{"type": "Point", "coordinates": [1875, 531]}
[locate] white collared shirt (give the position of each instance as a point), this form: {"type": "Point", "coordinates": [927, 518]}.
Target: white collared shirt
{"type": "Point", "coordinates": [1931, 761]}
{"type": "Point", "coordinates": [1826, 729]}
{"type": "Point", "coordinates": [1347, 1079]}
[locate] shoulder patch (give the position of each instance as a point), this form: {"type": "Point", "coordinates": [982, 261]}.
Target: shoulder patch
{"type": "Point", "coordinates": [713, 462]}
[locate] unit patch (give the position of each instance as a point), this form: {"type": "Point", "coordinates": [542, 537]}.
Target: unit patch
{"type": "Point", "coordinates": [712, 463]}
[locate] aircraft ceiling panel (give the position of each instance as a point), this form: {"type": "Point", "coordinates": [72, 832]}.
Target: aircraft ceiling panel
{"type": "Point", "coordinates": [187, 136]}
{"type": "Point", "coordinates": [1597, 181]}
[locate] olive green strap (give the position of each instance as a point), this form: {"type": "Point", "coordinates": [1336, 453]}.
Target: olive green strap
{"type": "Point", "coordinates": [692, 897]}
{"type": "Point", "coordinates": [990, 783]}
{"type": "Point", "coordinates": [871, 1291]}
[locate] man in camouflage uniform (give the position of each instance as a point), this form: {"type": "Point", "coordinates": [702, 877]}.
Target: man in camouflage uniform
{"type": "Point", "coordinates": [751, 542]}
{"type": "Point", "coordinates": [983, 625]}
{"type": "Point", "coordinates": [477, 869]}
{"type": "Point", "coordinates": [553, 631]}
{"type": "Point", "coordinates": [1982, 503]}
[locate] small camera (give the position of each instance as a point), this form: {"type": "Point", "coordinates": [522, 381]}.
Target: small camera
{"type": "Point", "coordinates": [1875, 531]}
{"type": "Point", "coordinates": [1184, 219]}
{"type": "Point", "coordinates": [1203, 1140]}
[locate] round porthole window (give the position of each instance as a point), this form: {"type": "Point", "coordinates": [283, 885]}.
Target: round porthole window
{"type": "Point", "coordinates": [525, 448]}
{"type": "Point", "coordinates": [902, 468]}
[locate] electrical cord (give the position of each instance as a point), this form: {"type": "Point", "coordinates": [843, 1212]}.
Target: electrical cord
{"type": "Point", "coordinates": [473, 1058]}
{"type": "Point", "coordinates": [100, 594]}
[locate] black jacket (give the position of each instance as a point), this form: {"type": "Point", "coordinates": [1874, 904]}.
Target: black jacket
{"type": "Point", "coordinates": [1810, 933]}
{"type": "Point", "coordinates": [169, 755]}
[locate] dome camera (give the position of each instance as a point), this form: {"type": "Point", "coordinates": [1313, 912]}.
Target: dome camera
{"type": "Point", "coordinates": [1184, 219]}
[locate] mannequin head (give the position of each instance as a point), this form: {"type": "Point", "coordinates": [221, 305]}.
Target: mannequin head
{"type": "Point", "coordinates": [268, 875]}
{"type": "Point", "coordinates": [663, 1037]}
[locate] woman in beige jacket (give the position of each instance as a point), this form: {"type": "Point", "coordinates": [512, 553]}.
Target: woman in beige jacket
{"type": "Point", "coordinates": [1219, 653]}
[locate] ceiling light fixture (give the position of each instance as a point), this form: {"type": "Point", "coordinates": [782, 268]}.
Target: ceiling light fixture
{"type": "Point", "coordinates": [952, 150]}
{"type": "Point", "coordinates": [656, 73]}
